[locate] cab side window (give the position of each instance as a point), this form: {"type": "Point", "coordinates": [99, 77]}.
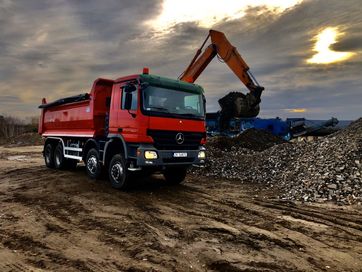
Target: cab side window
{"type": "Point", "coordinates": [134, 99]}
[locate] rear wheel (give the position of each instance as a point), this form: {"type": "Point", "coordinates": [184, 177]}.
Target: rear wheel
{"type": "Point", "coordinates": [117, 171]}
{"type": "Point", "coordinates": [59, 160]}
{"type": "Point", "coordinates": [49, 155]}
{"type": "Point", "coordinates": [175, 175]}
{"type": "Point", "coordinates": [92, 164]}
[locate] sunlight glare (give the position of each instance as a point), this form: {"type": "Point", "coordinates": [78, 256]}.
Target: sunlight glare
{"type": "Point", "coordinates": [297, 110]}
{"type": "Point", "coordinates": [325, 54]}
{"type": "Point", "coordinates": [206, 13]}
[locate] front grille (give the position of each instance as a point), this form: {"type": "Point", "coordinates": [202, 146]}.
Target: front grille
{"type": "Point", "coordinates": [166, 139]}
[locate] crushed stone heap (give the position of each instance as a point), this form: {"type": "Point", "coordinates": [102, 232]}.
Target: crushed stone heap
{"type": "Point", "coordinates": [328, 169]}
{"type": "Point", "coordinates": [257, 140]}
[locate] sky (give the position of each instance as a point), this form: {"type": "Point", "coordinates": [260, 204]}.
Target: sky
{"type": "Point", "coordinates": [306, 53]}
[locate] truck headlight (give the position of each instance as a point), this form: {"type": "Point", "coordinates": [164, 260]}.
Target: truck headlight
{"type": "Point", "coordinates": [201, 155]}
{"type": "Point", "coordinates": [151, 155]}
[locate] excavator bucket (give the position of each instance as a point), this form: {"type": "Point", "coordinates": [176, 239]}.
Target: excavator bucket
{"type": "Point", "coordinates": [237, 104]}
{"type": "Point", "coordinates": [240, 105]}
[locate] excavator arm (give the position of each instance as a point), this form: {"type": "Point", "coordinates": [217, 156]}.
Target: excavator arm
{"type": "Point", "coordinates": [226, 52]}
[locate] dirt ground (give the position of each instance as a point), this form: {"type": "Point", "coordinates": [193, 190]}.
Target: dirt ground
{"type": "Point", "coordinates": [62, 221]}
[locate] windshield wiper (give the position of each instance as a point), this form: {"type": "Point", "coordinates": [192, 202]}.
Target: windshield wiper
{"type": "Point", "coordinates": [159, 108]}
{"type": "Point", "coordinates": [190, 114]}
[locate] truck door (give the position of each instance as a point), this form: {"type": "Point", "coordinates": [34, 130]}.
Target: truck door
{"type": "Point", "coordinates": [125, 122]}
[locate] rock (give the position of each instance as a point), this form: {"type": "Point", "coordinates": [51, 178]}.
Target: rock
{"type": "Point", "coordinates": [332, 186]}
{"type": "Point", "coordinates": [339, 177]}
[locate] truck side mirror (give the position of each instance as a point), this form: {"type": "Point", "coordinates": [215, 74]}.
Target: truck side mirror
{"type": "Point", "coordinates": [128, 101]}
{"type": "Point", "coordinates": [129, 88]}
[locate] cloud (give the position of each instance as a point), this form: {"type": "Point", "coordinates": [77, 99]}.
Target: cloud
{"type": "Point", "coordinates": [9, 99]}
{"type": "Point", "coordinates": [351, 43]}
{"type": "Point", "coordinates": [58, 48]}
{"type": "Point", "coordinates": [206, 13]}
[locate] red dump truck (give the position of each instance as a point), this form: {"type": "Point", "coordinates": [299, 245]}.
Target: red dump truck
{"type": "Point", "coordinates": [141, 122]}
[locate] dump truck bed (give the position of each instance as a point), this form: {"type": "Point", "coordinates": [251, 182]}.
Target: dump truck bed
{"type": "Point", "coordinates": [82, 115]}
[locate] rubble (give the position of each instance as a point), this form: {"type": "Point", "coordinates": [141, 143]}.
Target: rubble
{"type": "Point", "coordinates": [257, 140]}
{"type": "Point", "coordinates": [328, 169]}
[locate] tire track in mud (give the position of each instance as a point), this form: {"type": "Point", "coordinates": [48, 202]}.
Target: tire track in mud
{"type": "Point", "coordinates": [309, 215]}
{"type": "Point", "coordinates": [87, 226]}
{"type": "Point", "coordinates": [222, 232]}
{"type": "Point", "coordinates": [52, 207]}
{"type": "Point", "coordinates": [39, 255]}
{"type": "Point", "coordinates": [266, 214]}
{"type": "Point", "coordinates": [350, 224]}
{"type": "Point", "coordinates": [19, 267]}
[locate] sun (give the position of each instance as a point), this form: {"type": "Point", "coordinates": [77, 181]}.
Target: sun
{"type": "Point", "coordinates": [324, 54]}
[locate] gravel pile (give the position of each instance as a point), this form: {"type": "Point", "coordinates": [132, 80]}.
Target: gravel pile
{"type": "Point", "coordinates": [257, 140]}
{"type": "Point", "coordinates": [329, 169]}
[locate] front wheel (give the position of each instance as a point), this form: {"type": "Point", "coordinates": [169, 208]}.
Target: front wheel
{"type": "Point", "coordinates": [175, 175]}
{"type": "Point", "coordinates": [118, 172]}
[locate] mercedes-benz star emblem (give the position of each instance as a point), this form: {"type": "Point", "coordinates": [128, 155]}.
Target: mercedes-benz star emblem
{"type": "Point", "coordinates": [180, 138]}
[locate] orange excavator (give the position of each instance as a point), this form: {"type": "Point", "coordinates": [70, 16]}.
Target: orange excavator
{"type": "Point", "coordinates": [234, 104]}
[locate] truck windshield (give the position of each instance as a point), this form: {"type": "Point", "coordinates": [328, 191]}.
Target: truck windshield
{"type": "Point", "coordinates": [163, 101]}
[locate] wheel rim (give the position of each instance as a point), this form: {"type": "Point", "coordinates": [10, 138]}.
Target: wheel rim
{"type": "Point", "coordinates": [92, 164]}
{"type": "Point", "coordinates": [117, 172]}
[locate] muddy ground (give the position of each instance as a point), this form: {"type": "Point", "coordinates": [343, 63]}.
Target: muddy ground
{"type": "Point", "coordinates": [62, 221]}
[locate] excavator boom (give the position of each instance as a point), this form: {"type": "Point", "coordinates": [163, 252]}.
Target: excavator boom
{"type": "Point", "coordinates": [221, 46]}
{"type": "Point", "coordinates": [226, 52]}
{"type": "Point", "coordinates": [198, 65]}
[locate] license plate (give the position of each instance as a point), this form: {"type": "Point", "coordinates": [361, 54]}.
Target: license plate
{"type": "Point", "coordinates": [180, 155]}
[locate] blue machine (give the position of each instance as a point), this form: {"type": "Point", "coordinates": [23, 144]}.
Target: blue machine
{"type": "Point", "coordinates": [286, 129]}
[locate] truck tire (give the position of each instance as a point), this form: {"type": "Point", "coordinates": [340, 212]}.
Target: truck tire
{"type": "Point", "coordinates": [59, 160]}
{"type": "Point", "coordinates": [175, 175]}
{"type": "Point", "coordinates": [49, 155]}
{"type": "Point", "coordinates": [117, 172]}
{"type": "Point", "coordinates": [92, 164]}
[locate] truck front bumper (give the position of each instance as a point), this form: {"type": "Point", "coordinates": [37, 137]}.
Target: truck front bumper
{"type": "Point", "coordinates": [169, 157]}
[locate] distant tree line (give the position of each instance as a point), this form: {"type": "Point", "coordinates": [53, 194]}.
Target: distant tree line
{"type": "Point", "coordinates": [12, 126]}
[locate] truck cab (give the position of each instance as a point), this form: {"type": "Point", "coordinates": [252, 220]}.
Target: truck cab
{"type": "Point", "coordinates": [157, 114]}
{"type": "Point", "coordinates": [139, 123]}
